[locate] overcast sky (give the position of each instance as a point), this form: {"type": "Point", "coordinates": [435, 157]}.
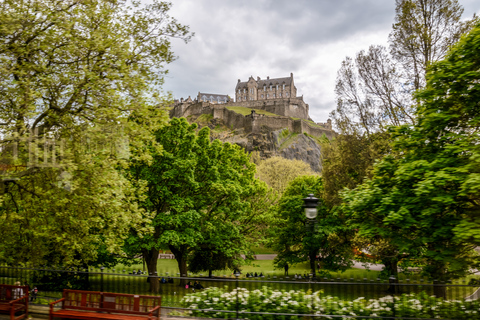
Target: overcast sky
{"type": "Point", "coordinates": [309, 38]}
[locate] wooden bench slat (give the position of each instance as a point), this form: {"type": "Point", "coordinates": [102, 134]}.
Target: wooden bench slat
{"type": "Point", "coordinates": [74, 314]}
{"type": "Point", "coordinates": [80, 304]}
{"type": "Point", "coordinates": [19, 294]}
{"type": "Point", "coordinates": [6, 307]}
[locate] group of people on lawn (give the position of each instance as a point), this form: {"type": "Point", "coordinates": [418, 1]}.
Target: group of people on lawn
{"type": "Point", "coordinates": [195, 285]}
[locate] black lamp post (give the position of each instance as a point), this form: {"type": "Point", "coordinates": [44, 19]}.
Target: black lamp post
{"type": "Point", "coordinates": [310, 204]}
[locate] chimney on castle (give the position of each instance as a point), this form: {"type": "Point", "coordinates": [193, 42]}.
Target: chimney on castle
{"type": "Point", "coordinates": [268, 77]}
{"type": "Point", "coordinates": [258, 78]}
{"type": "Point", "coordinates": [238, 80]}
{"type": "Point", "coordinates": [291, 74]}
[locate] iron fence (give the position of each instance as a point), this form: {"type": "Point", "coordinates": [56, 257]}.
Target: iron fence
{"type": "Point", "coordinates": [173, 288]}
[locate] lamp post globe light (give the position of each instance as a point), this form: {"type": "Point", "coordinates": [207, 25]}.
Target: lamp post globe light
{"type": "Point", "coordinates": [310, 204]}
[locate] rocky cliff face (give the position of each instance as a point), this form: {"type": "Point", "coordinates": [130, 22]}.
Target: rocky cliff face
{"type": "Point", "coordinates": [268, 143]}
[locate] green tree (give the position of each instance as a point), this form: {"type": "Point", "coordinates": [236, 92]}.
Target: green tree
{"type": "Point", "coordinates": [427, 194]}
{"type": "Point", "coordinates": [374, 90]}
{"type": "Point", "coordinates": [347, 160]}
{"type": "Point", "coordinates": [78, 80]}
{"type": "Point", "coordinates": [277, 172]}
{"type": "Point", "coordinates": [423, 32]}
{"type": "Point", "coordinates": [200, 193]}
{"type": "Point", "coordinates": [296, 239]}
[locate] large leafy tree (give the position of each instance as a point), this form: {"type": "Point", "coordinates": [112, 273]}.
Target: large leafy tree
{"type": "Point", "coordinates": [427, 194]}
{"type": "Point", "coordinates": [373, 91]}
{"type": "Point", "coordinates": [78, 80]}
{"type": "Point", "coordinates": [277, 172]}
{"type": "Point", "coordinates": [201, 195]}
{"type": "Point", "coordinates": [296, 239]}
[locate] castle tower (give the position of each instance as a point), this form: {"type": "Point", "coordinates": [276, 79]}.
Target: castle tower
{"type": "Point", "coordinates": [266, 89]}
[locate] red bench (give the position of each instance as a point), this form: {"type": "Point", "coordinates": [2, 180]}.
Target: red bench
{"type": "Point", "coordinates": [79, 304]}
{"type": "Point", "coordinates": [13, 300]}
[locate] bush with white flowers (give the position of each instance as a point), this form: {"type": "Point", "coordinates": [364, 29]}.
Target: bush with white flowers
{"type": "Point", "coordinates": [263, 302]}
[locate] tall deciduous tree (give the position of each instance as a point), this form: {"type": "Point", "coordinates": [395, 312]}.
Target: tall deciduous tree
{"type": "Point", "coordinates": [427, 196]}
{"type": "Point", "coordinates": [423, 32]}
{"type": "Point", "coordinates": [200, 193]}
{"type": "Point", "coordinates": [374, 90]}
{"type": "Point", "coordinates": [297, 240]}
{"type": "Point", "coordinates": [277, 172]}
{"type": "Point", "coordinates": [77, 78]}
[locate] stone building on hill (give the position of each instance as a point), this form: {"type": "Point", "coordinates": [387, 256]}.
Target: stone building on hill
{"type": "Point", "coordinates": [213, 98]}
{"type": "Point", "coordinates": [276, 98]}
{"type": "Point", "coordinates": [266, 89]}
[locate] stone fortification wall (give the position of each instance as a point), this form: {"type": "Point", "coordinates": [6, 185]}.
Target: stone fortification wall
{"type": "Point", "coordinates": [250, 123]}
{"type": "Point", "coordinates": [186, 109]}
{"type": "Point", "coordinates": [294, 107]}
{"type": "Point", "coordinates": [305, 127]}
{"type": "Point", "coordinates": [231, 119]}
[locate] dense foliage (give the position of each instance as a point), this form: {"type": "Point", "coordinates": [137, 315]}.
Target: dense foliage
{"type": "Point", "coordinates": [79, 94]}
{"type": "Point", "coordinates": [296, 239]}
{"type": "Point", "coordinates": [267, 300]}
{"type": "Point", "coordinates": [202, 195]}
{"type": "Point", "coordinates": [424, 197]}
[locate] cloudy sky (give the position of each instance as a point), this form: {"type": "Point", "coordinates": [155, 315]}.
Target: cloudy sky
{"type": "Point", "coordinates": [237, 39]}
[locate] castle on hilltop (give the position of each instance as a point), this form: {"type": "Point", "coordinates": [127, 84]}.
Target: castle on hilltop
{"type": "Point", "coordinates": [276, 97]}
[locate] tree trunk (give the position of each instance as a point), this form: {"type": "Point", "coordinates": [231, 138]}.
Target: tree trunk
{"type": "Point", "coordinates": [181, 257]}
{"type": "Point", "coordinates": [439, 289]}
{"type": "Point", "coordinates": [151, 258]}
{"type": "Point", "coordinates": [391, 265]}
{"type": "Point", "coordinates": [210, 274]}
{"type": "Point", "coordinates": [313, 257]}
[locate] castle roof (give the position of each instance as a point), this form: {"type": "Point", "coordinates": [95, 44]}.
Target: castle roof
{"type": "Point", "coordinates": [213, 97]}
{"type": "Point", "coordinates": [267, 82]}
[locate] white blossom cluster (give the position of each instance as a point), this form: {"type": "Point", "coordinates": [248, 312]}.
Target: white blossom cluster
{"type": "Point", "coordinates": [267, 300]}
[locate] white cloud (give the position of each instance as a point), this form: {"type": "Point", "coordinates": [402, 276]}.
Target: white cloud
{"type": "Point", "coordinates": [236, 39]}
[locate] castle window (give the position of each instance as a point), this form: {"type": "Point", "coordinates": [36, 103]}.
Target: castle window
{"type": "Point", "coordinates": [286, 94]}
{"type": "Point", "coordinates": [264, 88]}
{"type": "Point", "coordinates": [270, 87]}
{"type": "Point", "coordinates": [277, 87]}
{"type": "Point", "coordinates": [204, 98]}
{"type": "Point", "coordinates": [262, 96]}
{"type": "Point", "coordinates": [274, 95]}
{"type": "Point", "coordinates": [279, 95]}
{"type": "Point", "coordinates": [267, 96]}
{"type": "Point", "coordinates": [238, 91]}
{"type": "Point", "coordinates": [283, 87]}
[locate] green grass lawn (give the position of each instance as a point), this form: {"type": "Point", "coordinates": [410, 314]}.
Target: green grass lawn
{"type": "Point", "coordinates": [246, 111]}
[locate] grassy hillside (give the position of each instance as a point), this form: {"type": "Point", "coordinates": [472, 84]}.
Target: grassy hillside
{"type": "Point", "coordinates": [246, 111]}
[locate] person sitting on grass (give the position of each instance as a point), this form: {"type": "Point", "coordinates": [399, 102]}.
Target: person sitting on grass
{"type": "Point", "coordinates": [197, 285]}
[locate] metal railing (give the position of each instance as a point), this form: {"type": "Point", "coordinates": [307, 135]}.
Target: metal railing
{"type": "Point", "coordinates": [172, 288]}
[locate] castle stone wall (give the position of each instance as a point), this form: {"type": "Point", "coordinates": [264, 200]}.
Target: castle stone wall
{"type": "Point", "coordinates": [187, 109]}
{"type": "Point", "coordinates": [294, 107]}
{"type": "Point", "coordinates": [253, 122]}
{"type": "Point", "coordinates": [234, 120]}
{"type": "Point", "coordinates": [272, 123]}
